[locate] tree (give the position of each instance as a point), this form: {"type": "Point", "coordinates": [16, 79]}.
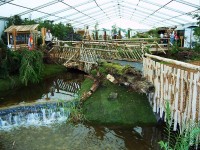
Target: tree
{"type": "Point", "coordinates": [197, 32]}
{"type": "Point", "coordinates": [14, 20]}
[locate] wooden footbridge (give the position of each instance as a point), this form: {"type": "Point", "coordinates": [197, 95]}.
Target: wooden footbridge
{"type": "Point", "coordinates": [84, 54]}
{"type": "Point", "coordinates": [174, 81]}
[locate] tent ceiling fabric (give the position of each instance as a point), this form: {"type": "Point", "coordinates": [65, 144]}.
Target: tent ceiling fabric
{"type": "Point", "coordinates": [79, 13]}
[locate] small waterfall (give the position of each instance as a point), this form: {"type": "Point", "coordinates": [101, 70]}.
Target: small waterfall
{"type": "Point", "coordinates": [38, 115]}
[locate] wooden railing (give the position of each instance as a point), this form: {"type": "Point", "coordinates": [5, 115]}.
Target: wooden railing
{"type": "Point", "coordinates": [153, 43]}
{"type": "Point", "coordinates": [178, 83]}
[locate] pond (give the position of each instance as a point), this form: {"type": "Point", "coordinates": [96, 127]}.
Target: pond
{"type": "Point", "coordinates": [37, 118]}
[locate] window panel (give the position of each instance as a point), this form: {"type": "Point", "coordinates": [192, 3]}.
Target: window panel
{"type": "Point", "coordinates": [168, 12]}
{"type": "Point", "coordinates": [67, 13]}
{"type": "Point", "coordinates": [51, 8]}
{"type": "Point", "coordinates": [30, 4]}
{"type": "Point", "coordinates": [33, 15]}
{"type": "Point", "coordinates": [87, 6]}
{"type": "Point", "coordinates": [8, 10]}
{"type": "Point", "coordinates": [51, 18]}
{"type": "Point", "coordinates": [159, 13]}
{"type": "Point", "coordinates": [100, 2]}
{"type": "Point", "coordinates": [180, 6]}
{"type": "Point", "coordinates": [195, 2]}
{"type": "Point", "coordinates": [188, 18]}
{"type": "Point", "coordinates": [162, 2]}
{"type": "Point", "coordinates": [83, 12]}
{"type": "Point", "coordinates": [75, 2]}
{"type": "Point", "coordinates": [147, 5]}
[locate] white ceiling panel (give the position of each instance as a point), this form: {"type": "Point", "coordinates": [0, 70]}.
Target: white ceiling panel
{"type": "Point", "coordinates": [80, 12]}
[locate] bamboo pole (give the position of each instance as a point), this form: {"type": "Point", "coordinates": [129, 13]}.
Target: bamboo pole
{"type": "Point", "coordinates": [182, 64]}
{"type": "Point", "coordinates": [14, 34]}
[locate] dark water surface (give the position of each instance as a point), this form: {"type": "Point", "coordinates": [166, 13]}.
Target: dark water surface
{"type": "Point", "coordinates": [51, 130]}
{"type": "Point", "coordinates": [64, 87]}
{"type": "Point", "coordinates": [66, 136]}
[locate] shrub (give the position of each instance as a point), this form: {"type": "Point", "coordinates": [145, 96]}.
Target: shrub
{"type": "Point", "coordinates": [31, 66]}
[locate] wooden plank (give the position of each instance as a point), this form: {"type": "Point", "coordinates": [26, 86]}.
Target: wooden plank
{"type": "Point", "coordinates": [161, 90]}
{"type": "Point", "coordinates": [194, 96]}
{"type": "Point", "coordinates": [181, 91]}
{"type": "Point", "coordinates": [189, 104]}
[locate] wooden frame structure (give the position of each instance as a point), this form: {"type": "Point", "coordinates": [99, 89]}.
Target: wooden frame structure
{"type": "Point", "coordinates": [17, 36]}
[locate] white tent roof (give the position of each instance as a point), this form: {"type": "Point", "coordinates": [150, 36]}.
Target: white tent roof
{"type": "Point", "coordinates": [127, 13]}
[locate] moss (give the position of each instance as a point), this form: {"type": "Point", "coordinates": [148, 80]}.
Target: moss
{"type": "Point", "coordinates": [86, 85]}
{"type": "Point", "coordinates": [14, 82]}
{"type": "Point", "coordinates": [94, 73]}
{"type": "Point", "coordinates": [129, 108]}
{"type": "Point", "coordinates": [114, 67]}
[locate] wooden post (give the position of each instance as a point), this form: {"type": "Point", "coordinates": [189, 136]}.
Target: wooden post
{"type": "Point", "coordinates": [129, 33]}
{"type": "Point", "coordinates": [181, 39]}
{"type": "Point", "coordinates": [43, 32]}
{"type": "Point", "coordinates": [168, 43]}
{"type": "Point", "coordinates": [96, 35]}
{"type": "Point", "coordinates": [8, 38]}
{"type": "Point", "coordinates": [14, 34]}
{"type": "Point", "coordinates": [105, 36]}
{"type": "Point", "coordinates": [119, 36]}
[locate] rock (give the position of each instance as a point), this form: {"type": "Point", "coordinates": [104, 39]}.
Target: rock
{"type": "Point", "coordinates": [112, 96]}
{"type": "Point", "coordinates": [138, 130]}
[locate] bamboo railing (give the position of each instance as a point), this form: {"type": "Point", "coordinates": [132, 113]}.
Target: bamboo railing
{"type": "Point", "coordinates": [179, 84]}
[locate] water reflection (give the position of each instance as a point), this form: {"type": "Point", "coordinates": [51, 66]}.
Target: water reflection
{"type": "Point", "coordinates": [78, 137]}
{"type": "Point", "coordinates": [62, 87]}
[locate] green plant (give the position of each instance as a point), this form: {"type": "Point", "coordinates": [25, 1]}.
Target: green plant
{"type": "Point", "coordinates": [76, 114]}
{"type": "Point", "coordinates": [175, 49]}
{"type": "Point", "coordinates": [180, 140]}
{"type": "Point", "coordinates": [31, 66]}
{"type": "Point", "coordinates": [102, 71]}
{"type": "Point", "coordinates": [197, 33]}
{"type": "Point", "coordinates": [94, 72]}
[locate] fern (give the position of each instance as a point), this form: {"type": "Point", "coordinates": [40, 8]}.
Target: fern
{"type": "Point", "coordinates": [180, 140]}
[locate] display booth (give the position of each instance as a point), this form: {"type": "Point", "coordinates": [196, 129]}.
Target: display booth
{"type": "Point", "coordinates": [18, 35]}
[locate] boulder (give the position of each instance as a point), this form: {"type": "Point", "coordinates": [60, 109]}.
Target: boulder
{"type": "Point", "coordinates": [112, 96]}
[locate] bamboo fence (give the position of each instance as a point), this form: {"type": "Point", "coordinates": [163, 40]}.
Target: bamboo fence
{"type": "Point", "coordinates": [179, 84]}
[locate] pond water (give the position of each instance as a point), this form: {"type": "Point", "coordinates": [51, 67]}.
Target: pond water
{"type": "Point", "coordinates": [136, 65]}
{"type": "Point", "coordinates": [32, 118]}
{"type": "Point", "coordinates": [61, 87]}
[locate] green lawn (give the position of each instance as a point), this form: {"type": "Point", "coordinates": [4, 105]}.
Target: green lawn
{"type": "Point", "coordinates": [86, 85]}
{"type": "Point", "coordinates": [129, 108]}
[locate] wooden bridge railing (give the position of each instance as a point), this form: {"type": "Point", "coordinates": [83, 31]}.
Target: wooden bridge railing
{"type": "Point", "coordinates": [154, 43]}
{"type": "Point", "coordinates": [179, 84]}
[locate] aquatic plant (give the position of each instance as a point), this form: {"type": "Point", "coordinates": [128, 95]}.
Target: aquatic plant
{"type": "Point", "coordinates": [180, 140]}
{"type": "Point", "coordinates": [31, 66]}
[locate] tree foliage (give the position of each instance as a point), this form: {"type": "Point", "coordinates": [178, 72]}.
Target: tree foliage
{"type": "Point", "coordinates": [197, 29]}
{"type": "Point", "coordinates": [31, 66]}
{"type": "Point", "coordinates": [197, 33]}
{"type": "Point", "coordinates": [59, 30]}
{"type": "Point", "coordinates": [9, 61]}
